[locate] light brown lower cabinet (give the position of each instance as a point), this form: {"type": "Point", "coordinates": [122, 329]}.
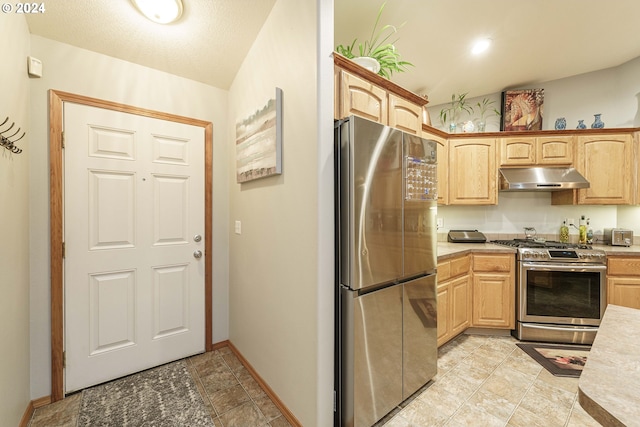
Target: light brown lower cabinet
{"type": "Point", "coordinates": [623, 281]}
{"type": "Point", "coordinates": [454, 298]}
{"type": "Point", "coordinates": [493, 291]}
{"type": "Point", "coordinates": [475, 290]}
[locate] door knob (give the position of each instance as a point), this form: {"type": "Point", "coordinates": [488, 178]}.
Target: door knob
{"type": "Point", "coordinates": [197, 238]}
{"type": "Point", "coordinates": [197, 254]}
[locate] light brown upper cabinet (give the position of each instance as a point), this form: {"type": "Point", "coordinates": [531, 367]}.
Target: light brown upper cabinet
{"type": "Point", "coordinates": [361, 98]}
{"type": "Point", "coordinates": [405, 115]}
{"type": "Point", "coordinates": [607, 162]}
{"type": "Point", "coordinates": [536, 151]}
{"type": "Point", "coordinates": [443, 166]}
{"type": "Point", "coordinates": [472, 172]}
{"type": "Point", "coordinates": [363, 93]}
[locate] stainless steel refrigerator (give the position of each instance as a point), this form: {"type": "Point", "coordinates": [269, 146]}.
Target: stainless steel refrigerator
{"type": "Point", "coordinates": [386, 264]}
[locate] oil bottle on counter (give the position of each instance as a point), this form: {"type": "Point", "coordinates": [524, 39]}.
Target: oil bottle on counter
{"type": "Point", "coordinates": [582, 231]}
{"type": "Point", "coordinates": [564, 232]}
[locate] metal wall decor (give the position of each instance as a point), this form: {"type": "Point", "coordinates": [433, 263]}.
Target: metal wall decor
{"type": "Point", "coordinates": [9, 141]}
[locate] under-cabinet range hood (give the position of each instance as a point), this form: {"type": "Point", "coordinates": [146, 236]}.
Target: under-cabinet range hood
{"type": "Point", "coordinates": [541, 179]}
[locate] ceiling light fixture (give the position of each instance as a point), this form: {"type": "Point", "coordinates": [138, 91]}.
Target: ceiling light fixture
{"type": "Point", "coordinates": [481, 46]}
{"type": "Point", "coordinates": [160, 11]}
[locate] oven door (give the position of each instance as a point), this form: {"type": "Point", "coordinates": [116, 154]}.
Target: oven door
{"type": "Point", "coordinates": [561, 293]}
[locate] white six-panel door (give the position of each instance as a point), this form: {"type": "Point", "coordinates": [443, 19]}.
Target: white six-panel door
{"type": "Point", "coordinates": [133, 233]}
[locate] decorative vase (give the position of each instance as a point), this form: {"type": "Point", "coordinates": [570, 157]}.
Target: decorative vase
{"type": "Point", "coordinates": [597, 123]}
{"type": "Point", "coordinates": [581, 125]}
{"type": "Point", "coordinates": [561, 123]}
{"type": "Point", "coordinates": [367, 62]}
{"type": "Point", "coordinates": [482, 125]}
{"type": "Point", "coordinates": [452, 127]}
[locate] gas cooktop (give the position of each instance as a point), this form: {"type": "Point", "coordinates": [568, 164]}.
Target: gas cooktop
{"type": "Point", "coordinates": [531, 243]}
{"type": "Point", "coordinates": [550, 251]}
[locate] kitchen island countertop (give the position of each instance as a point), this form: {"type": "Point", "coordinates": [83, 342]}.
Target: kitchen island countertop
{"type": "Point", "coordinates": [609, 386]}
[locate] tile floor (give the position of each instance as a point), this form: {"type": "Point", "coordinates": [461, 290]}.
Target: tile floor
{"type": "Point", "coordinates": [482, 381]}
{"type": "Point", "coordinates": [489, 381]}
{"type": "Point", "coordinates": [230, 393]}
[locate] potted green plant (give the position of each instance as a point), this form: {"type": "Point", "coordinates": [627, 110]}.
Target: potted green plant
{"type": "Point", "coordinates": [378, 48]}
{"type": "Point", "coordinates": [484, 107]}
{"type": "Point", "coordinates": [451, 114]}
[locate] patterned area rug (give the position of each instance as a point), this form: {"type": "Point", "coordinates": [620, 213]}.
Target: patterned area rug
{"type": "Point", "coordinates": [560, 360]}
{"type": "Point", "coordinates": [162, 396]}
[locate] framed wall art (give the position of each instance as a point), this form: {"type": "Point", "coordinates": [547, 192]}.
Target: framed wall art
{"type": "Point", "coordinates": [522, 110]}
{"type": "Point", "coordinates": [259, 142]}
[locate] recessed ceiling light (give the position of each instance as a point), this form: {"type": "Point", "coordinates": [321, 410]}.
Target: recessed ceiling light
{"type": "Point", "coordinates": [160, 11]}
{"type": "Point", "coordinates": [481, 46]}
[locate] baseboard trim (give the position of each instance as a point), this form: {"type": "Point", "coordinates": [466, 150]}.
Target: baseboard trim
{"type": "Point", "coordinates": [272, 395]}
{"type": "Point", "coordinates": [31, 407]}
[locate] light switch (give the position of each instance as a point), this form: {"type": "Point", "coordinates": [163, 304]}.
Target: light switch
{"type": "Point", "coordinates": [238, 227]}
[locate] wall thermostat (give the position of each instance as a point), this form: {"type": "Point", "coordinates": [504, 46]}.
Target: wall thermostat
{"type": "Point", "coordinates": [34, 67]}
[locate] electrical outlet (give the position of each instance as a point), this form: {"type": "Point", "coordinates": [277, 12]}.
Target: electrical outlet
{"type": "Point", "coordinates": [440, 222]}
{"type": "Point", "coordinates": [571, 221]}
{"type": "Point", "coordinates": [238, 227]}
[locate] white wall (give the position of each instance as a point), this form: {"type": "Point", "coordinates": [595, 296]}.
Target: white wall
{"type": "Point", "coordinates": [14, 231]}
{"type": "Point", "coordinates": [629, 217]}
{"type": "Point", "coordinates": [70, 69]}
{"type": "Point", "coordinates": [276, 287]}
{"type": "Point", "coordinates": [517, 210]}
{"type": "Point", "coordinates": [613, 92]}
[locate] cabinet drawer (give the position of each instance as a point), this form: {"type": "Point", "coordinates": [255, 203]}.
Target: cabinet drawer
{"type": "Point", "coordinates": [453, 267]}
{"type": "Point", "coordinates": [460, 266]}
{"type": "Point", "coordinates": [623, 266]}
{"type": "Point", "coordinates": [444, 271]}
{"type": "Point", "coordinates": [493, 263]}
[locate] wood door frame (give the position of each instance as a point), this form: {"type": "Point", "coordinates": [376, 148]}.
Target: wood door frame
{"type": "Point", "coordinates": [56, 101]}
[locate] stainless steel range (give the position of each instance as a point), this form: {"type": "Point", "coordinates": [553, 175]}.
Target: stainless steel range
{"type": "Point", "coordinates": [560, 290]}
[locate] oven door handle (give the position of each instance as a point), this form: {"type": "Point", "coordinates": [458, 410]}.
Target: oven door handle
{"type": "Point", "coordinates": [557, 266]}
{"type": "Point", "coordinates": [561, 328]}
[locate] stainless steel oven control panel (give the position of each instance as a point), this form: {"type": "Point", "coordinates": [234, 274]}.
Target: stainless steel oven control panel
{"type": "Point", "coordinates": [592, 256]}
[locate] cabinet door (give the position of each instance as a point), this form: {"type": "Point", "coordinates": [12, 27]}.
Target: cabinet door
{"type": "Point", "coordinates": [517, 151]}
{"type": "Point", "coordinates": [460, 301]}
{"type": "Point", "coordinates": [443, 168]}
{"type": "Point", "coordinates": [605, 161]}
{"type": "Point", "coordinates": [554, 150]}
{"type": "Point", "coordinates": [444, 326]}
{"type": "Point", "coordinates": [624, 291]}
{"type": "Point", "coordinates": [362, 98]}
{"type": "Point", "coordinates": [472, 172]}
{"type": "Point", "coordinates": [493, 301]}
{"type": "Point", "coordinates": [405, 115]}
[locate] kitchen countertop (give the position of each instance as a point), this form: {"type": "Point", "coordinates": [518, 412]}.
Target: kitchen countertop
{"type": "Point", "coordinates": [609, 386]}
{"type": "Point", "coordinates": [449, 250]}
{"type": "Point", "coordinates": [633, 250]}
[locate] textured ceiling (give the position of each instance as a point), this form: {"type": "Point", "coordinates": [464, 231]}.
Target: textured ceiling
{"type": "Point", "coordinates": [207, 44]}
{"type": "Point", "coordinates": [534, 40]}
